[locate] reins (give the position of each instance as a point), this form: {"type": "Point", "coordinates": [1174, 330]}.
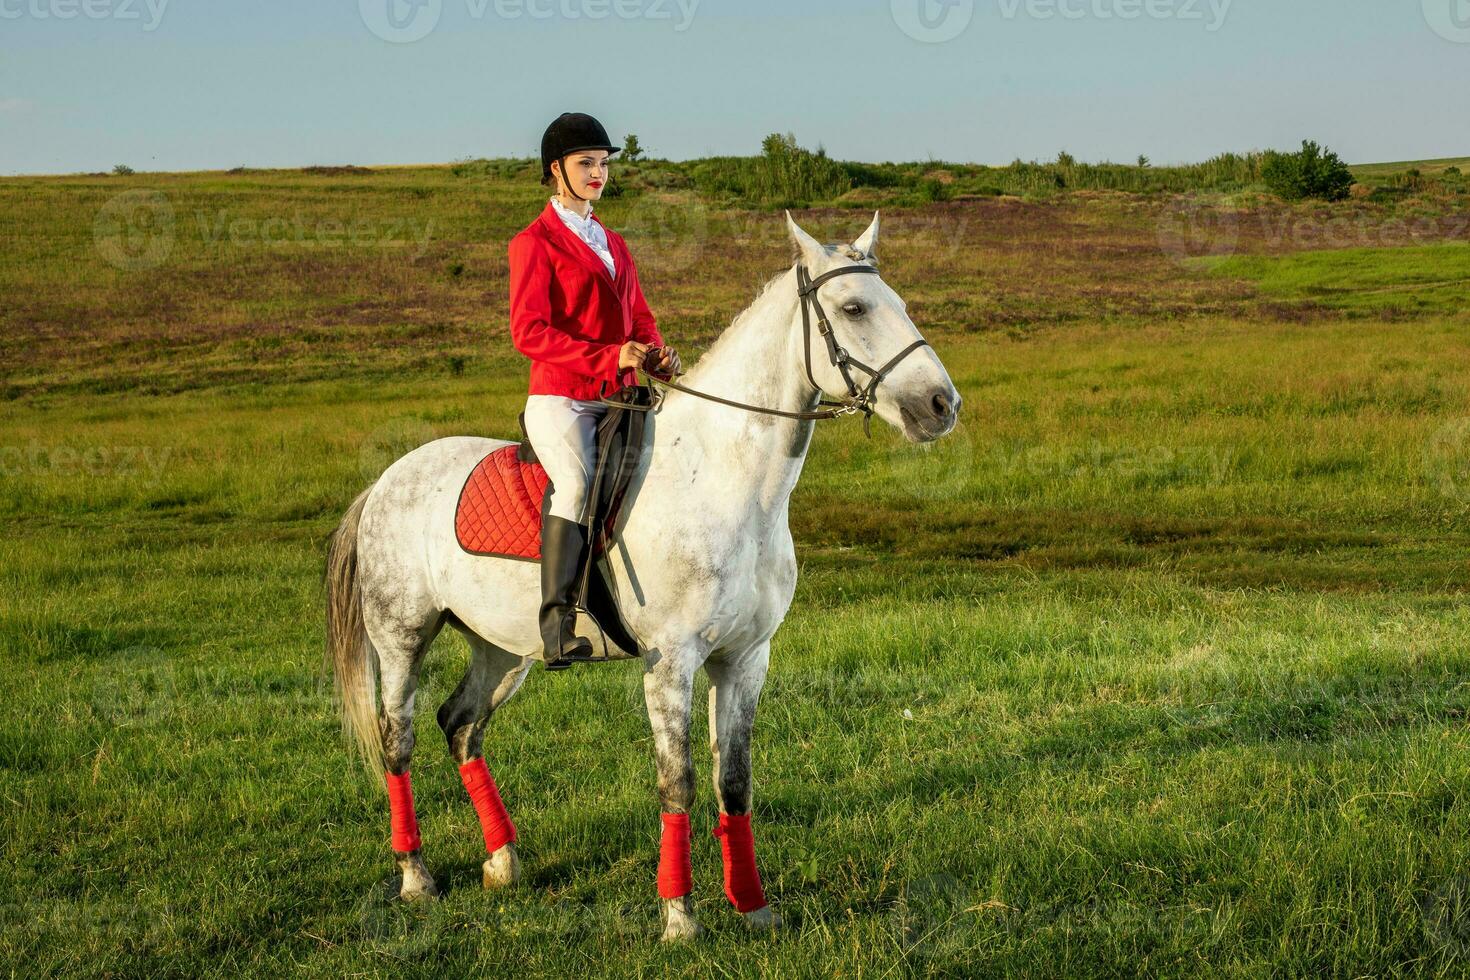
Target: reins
{"type": "Point", "coordinates": [858, 399]}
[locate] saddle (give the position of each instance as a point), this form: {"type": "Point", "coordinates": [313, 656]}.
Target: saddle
{"type": "Point", "coordinates": [503, 503]}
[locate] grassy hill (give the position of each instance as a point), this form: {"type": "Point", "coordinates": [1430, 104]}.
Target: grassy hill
{"type": "Point", "coordinates": [1423, 166]}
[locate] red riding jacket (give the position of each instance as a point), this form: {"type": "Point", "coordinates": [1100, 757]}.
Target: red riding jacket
{"type": "Point", "coordinates": [568, 315]}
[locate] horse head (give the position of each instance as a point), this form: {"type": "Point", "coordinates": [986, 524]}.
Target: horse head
{"type": "Point", "coordinates": [858, 319]}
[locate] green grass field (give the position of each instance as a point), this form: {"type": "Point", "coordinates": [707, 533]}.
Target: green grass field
{"type": "Point", "coordinates": [1159, 664]}
{"type": "Point", "coordinates": [1424, 166]}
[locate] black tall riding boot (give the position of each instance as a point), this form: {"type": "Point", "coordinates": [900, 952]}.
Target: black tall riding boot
{"type": "Point", "coordinates": [562, 551]}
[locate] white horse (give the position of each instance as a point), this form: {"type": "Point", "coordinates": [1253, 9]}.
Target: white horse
{"type": "Point", "coordinates": [702, 562]}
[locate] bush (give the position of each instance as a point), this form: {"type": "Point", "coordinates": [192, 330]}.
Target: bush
{"type": "Point", "coordinates": [784, 175]}
{"type": "Point", "coordinates": [931, 190]}
{"type": "Point", "coordinates": [1313, 172]}
{"type": "Point", "coordinates": [122, 170]}
{"type": "Point", "coordinates": [788, 176]}
{"type": "Point", "coordinates": [1411, 180]}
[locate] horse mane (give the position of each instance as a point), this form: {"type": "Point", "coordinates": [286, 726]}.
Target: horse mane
{"type": "Point", "coordinates": [740, 318]}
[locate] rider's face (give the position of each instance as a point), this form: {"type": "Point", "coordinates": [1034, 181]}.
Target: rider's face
{"type": "Point", "coordinates": [587, 173]}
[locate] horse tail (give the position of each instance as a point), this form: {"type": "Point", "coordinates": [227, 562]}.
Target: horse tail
{"type": "Point", "coordinates": [350, 656]}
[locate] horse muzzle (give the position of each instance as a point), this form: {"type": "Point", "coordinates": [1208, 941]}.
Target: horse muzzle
{"type": "Point", "coordinates": [932, 415]}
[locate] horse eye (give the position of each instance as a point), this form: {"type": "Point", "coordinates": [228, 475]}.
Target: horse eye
{"type": "Point", "coordinates": [853, 309]}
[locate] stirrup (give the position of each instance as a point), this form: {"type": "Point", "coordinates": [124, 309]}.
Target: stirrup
{"type": "Point", "coordinates": [567, 659]}
{"type": "Point", "coordinates": [579, 653]}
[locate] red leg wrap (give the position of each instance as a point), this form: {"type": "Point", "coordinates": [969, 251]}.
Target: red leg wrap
{"type": "Point", "coordinates": [495, 822]}
{"type": "Point", "coordinates": [675, 877]}
{"type": "Point", "coordinates": [742, 881]}
{"type": "Point", "coordinates": [400, 806]}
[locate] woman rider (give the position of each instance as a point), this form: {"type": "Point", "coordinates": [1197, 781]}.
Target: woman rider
{"type": "Point", "coordinates": [576, 310]}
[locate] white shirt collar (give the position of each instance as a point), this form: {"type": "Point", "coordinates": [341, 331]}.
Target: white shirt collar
{"type": "Point", "coordinates": [567, 212]}
{"type": "Point", "coordinates": [588, 231]}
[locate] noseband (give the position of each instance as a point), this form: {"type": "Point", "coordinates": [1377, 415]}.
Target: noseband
{"type": "Point", "coordinates": [858, 399]}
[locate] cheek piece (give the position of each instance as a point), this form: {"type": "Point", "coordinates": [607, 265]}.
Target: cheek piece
{"type": "Point", "coordinates": [495, 822]}
{"type": "Point", "coordinates": [675, 877]}
{"type": "Point", "coordinates": [400, 805]}
{"type": "Point", "coordinates": [737, 845]}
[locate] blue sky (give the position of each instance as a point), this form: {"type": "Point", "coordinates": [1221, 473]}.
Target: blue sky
{"type": "Point", "coordinates": [208, 84]}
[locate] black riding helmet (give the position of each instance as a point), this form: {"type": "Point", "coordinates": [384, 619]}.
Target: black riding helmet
{"type": "Point", "coordinates": [568, 133]}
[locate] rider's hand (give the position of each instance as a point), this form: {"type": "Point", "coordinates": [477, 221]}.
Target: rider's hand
{"type": "Point", "coordinates": [664, 361]}
{"type": "Point", "coordinates": [632, 355]}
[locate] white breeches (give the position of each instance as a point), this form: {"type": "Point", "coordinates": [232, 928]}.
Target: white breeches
{"type": "Point", "coordinates": [563, 431]}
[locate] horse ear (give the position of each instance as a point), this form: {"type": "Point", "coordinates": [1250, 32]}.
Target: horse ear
{"type": "Point", "coordinates": [867, 243]}
{"type": "Point", "coordinates": [808, 249]}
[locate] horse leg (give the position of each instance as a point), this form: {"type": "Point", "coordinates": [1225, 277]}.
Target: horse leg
{"type": "Point", "coordinates": [736, 684]}
{"type": "Point", "coordinates": [492, 676]}
{"type": "Point", "coordinates": [400, 655]}
{"type": "Point", "coordinates": [668, 687]}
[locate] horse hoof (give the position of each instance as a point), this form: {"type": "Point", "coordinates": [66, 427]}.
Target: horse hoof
{"type": "Point", "coordinates": [418, 885]}
{"type": "Point", "coordinates": [503, 868]}
{"type": "Point", "coordinates": [763, 919]}
{"type": "Point", "coordinates": [425, 894]}
{"type": "Point", "coordinates": [679, 922]}
{"type": "Point", "coordinates": [418, 889]}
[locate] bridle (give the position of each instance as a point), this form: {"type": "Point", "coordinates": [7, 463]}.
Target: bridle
{"type": "Point", "coordinates": [858, 399]}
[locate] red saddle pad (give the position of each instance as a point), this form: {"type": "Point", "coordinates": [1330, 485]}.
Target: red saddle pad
{"type": "Point", "coordinates": [499, 510]}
